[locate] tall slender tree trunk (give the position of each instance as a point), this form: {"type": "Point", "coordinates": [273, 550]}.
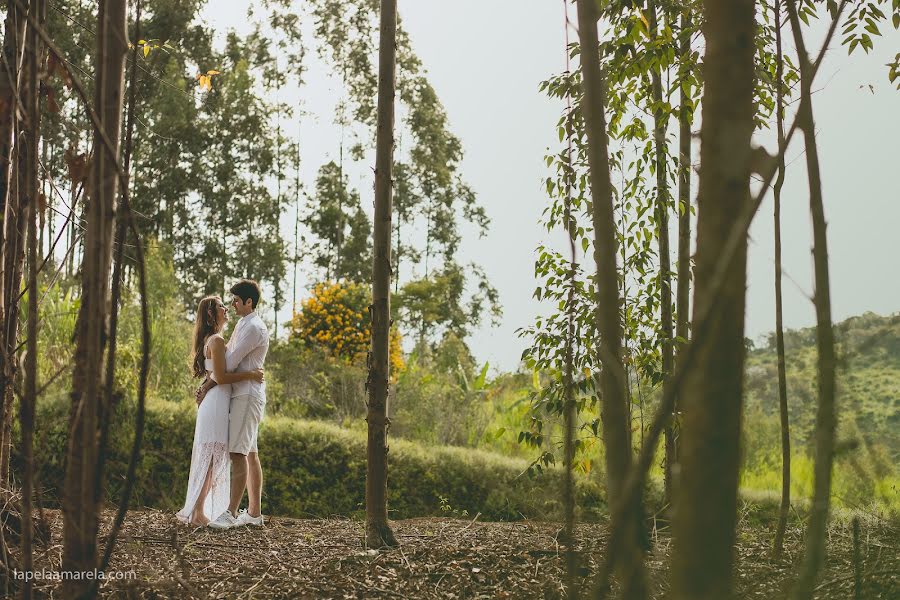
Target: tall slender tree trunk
{"type": "Point", "coordinates": [826, 417]}
{"type": "Point", "coordinates": [609, 323]}
{"type": "Point", "coordinates": [570, 411]}
{"type": "Point", "coordinates": [779, 320]}
{"type": "Point", "coordinates": [685, 117]}
{"type": "Point", "coordinates": [30, 203]}
{"type": "Point", "coordinates": [9, 75]}
{"type": "Point", "coordinates": [378, 531]}
{"type": "Point", "coordinates": [81, 503]}
{"type": "Point", "coordinates": [660, 122]}
{"type": "Point", "coordinates": [13, 249]}
{"type": "Point", "coordinates": [706, 496]}
{"type": "Point", "coordinates": [296, 229]}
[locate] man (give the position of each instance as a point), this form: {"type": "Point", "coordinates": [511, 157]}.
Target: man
{"type": "Point", "coordinates": [246, 351]}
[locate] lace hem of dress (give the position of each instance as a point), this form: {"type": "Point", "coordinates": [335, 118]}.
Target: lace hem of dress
{"type": "Point", "coordinates": [206, 458]}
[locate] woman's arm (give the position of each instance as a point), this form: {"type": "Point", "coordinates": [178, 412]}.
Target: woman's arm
{"type": "Point", "coordinates": [217, 345]}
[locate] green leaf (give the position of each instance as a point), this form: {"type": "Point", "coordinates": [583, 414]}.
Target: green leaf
{"type": "Point", "coordinates": [479, 382]}
{"type": "Point", "coordinates": [584, 244]}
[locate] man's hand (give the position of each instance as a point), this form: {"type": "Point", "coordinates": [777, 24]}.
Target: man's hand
{"type": "Point", "coordinates": [207, 385]}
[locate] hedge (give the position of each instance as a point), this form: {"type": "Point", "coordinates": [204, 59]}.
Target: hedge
{"type": "Point", "coordinates": [314, 469]}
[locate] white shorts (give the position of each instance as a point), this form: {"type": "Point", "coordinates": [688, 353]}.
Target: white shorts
{"type": "Point", "coordinates": [243, 423]}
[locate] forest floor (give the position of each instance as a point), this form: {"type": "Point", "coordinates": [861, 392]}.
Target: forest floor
{"type": "Point", "coordinates": [437, 558]}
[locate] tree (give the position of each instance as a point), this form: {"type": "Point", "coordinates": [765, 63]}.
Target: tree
{"type": "Point", "coordinates": [687, 68]}
{"type": "Point", "coordinates": [33, 51]}
{"type": "Point", "coordinates": [342, 248]}
{"type": "Point", "coordinates": [335, 318]}
{"type": "Point", "coordinates": [437, 303]}
{"type": "Point", "coordinates": [663, 200]}
{"type": "Point", "coordinates": [378, 531]}
{"type": "Point", "coordinates": [429, 188]}
{"type": "Point", "coordinates": [609, 324]}
{"type": "Point", "coordinates": [82, 495]}
{"type": "Point", "coordinates": [14, 231]}
{"type": "Point", "coordinates": [785, 507]}
{"type": "Point", "coordinates": [826, 417]}
{"type": "Point", "coordinates": [706, 496]}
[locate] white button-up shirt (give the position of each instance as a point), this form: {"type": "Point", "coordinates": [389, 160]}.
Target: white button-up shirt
{"type": "Point", "coordinates": [246, 351]}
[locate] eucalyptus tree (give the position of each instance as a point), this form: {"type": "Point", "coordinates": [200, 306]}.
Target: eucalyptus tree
{"type": "Point", "coordinates": [378, 531]}
{"type": "Point", "coordinates": [630, 55]}
{"type": "Point", "coordinates": [14, 227]}
{"type": "Point", "coordinates": [706, 495]}
{"type": "Point", "coordinates": [82, 495]}
{"type": "Point", "coordinates": [785, 506]}
{"type": "Point", "coordinates": [826, 417]}
{"type": "Point", "coordinates": [661, 114]}
{"type": "Point", "coordinates": [609, 324]}
{"type": "Point", "coordinates": [241, 237]}
{"type": "Point", "coordinates": [688, 76]}
{"type": "Point", "coordinates": [341, 246]}
{"type": "Point", "coordinates": [430, 190]}
{"type": "Point", "coordinates": [31, 97]}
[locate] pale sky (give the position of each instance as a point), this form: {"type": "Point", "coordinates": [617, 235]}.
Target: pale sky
{"type": "Point", "coordinates": [486, 58]}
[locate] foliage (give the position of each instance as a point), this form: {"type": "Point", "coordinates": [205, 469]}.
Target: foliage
{"type": "Point", "coordinates": [342, 247]}
{"type": "Point", "coordinates": [169, 376]}
{"type": "Point", "coordinates": [312, 469]}
{"type": "Point", "coordinates": [336, 318]}
{"type": "Point", "coordinates": [306, 381]}
{"type": "Point", "coordinates": [438, 397]}
{"type": "Point", "coordinates": [436, 304]}
{"type": "Point", "coordinates": [203, 149]}
{"type": "Point", "coordinates": [868, 381]}
{"type": "Point", "coordinates": [429, 184]}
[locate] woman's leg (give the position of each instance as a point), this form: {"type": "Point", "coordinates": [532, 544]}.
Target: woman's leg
{"type": "Point", "coordinates": [197, 516]}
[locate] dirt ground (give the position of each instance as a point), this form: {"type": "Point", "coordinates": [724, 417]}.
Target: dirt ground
{"type": "Point", "coordinates": [437, 558]}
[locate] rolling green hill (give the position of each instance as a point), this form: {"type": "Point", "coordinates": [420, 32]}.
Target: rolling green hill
{"type": "Point", "coordinates": [868, 384]}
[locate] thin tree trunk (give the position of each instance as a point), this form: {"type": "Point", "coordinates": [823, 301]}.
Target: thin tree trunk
{"type": "Point", "coordinates": [660, 122]}
{"type": "Point", "coordinates": [13, 249]}
{"type": "Point", "coordinates": [378, 531]}
{"type": "Point", "coordinates": [81, 502]}
{"type": "Point", "coordinates": [15, 224]}
{"type": "Point", "coordinates": [683, 290]}
{"type": "Point", "coordinates": [107, 407]}
{"type": "Point", "coordinates": [9, 77]}
{"type": "Point", "coordinates": [570, 411]}
{"type": "Point", "coordinates": [826, 418]}
{"type": "Point", "coordinates": [706, 496]}
{"type": "Point", "coordinates": [145, 318]}
{"type": "Point", "coordinates": [296, 229]}
{"type": "Point", "coordinates": [40, 206]}
{"type": "Point", "coordinates": [26, 405]}
{"type": "Point", "coordinates": [609, 324]}
{"type": "Point", "coordinates": [779, 320]}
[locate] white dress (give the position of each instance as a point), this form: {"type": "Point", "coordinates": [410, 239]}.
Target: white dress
{"type": "Point", "coordinates": [210, 452]}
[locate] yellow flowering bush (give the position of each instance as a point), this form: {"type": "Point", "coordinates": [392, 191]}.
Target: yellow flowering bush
{"type": "Point", "coordinates": [336, 318]}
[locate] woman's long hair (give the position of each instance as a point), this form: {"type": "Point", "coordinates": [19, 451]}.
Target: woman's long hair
{"type": "Point", "coordinates": [204, 326]}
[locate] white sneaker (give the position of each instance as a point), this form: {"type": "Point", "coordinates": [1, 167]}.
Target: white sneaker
{"type": "Point", "coordinates": [244, 518]}
{"type": "Point", "coordinates": [224, 521]}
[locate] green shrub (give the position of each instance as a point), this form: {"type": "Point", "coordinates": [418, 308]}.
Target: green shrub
{"type": "Point", "coordinates": [312, 469]}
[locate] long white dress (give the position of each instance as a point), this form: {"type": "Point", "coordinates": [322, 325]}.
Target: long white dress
{"type": "Point", "coordinates": [210, 452]}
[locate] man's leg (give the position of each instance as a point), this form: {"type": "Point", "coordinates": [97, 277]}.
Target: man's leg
{"type": "Point", "coordinates": [238, 480]}
{"type": "Point", "coordinates": [254, 484]}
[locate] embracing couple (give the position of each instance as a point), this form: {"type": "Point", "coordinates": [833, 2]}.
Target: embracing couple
{"type": "Point", "coordinates": [231, 402]}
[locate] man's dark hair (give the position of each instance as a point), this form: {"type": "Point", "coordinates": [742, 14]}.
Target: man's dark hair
{"type": "Point", "coordinates": [246, 288]}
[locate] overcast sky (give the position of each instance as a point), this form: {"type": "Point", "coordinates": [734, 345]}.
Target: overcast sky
{"type": "Point", "coordinates": [486, 58]}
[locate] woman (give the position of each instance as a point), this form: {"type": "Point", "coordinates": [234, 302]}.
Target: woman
{"type": "Point", "coordinates": [209, 483]}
